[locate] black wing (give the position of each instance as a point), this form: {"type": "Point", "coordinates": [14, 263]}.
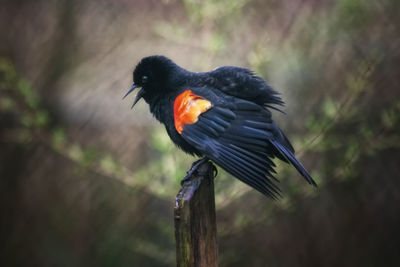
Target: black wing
{"type": "Point", "coordinates": [241, 137]}
{"type": "Point", "coordinates": [243, 83]}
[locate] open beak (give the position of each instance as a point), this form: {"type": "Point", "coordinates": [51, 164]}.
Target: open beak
{"type": "Point", "coordinates": [133, 87]}
{"type": "Point", "coordinates": [138, 96]}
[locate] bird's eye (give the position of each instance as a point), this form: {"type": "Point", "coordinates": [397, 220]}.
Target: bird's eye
{"type": "Point", "coordinates": [144, 79]}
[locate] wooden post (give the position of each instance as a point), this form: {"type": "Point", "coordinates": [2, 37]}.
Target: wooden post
{"type": "Point", "coordinates": [195, 223]}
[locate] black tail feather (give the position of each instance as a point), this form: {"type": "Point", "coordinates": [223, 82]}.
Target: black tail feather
{"type": "Point", "coordinates": [292, 159]}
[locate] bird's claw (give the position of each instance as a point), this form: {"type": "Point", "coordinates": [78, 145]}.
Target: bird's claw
{"type": "Point", "coordinates": [187, 177]}
{"type": "Point", "coordinates": [194, 169]}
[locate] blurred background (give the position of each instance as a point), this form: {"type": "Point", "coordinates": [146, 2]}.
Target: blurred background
{"type": "Point", "coordinates": [86, 181]}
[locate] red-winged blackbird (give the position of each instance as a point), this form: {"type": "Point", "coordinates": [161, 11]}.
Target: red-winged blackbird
{"type": "Point", "coordinates": [222, 115]}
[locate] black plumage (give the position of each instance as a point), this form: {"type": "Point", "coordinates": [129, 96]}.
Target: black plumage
{"type": "Point", "coordinates": [233, 127]}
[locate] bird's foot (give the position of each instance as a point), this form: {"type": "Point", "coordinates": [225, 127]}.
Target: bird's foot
{"type": "Point", "coordinates": [194, 169]}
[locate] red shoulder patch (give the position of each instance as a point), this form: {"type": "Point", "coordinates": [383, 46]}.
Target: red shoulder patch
{"type": "Point", "coordinates": [187, 109]}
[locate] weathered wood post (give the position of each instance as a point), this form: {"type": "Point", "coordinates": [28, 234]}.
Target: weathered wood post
{"type": "Point", "coordinates": [195, 223]}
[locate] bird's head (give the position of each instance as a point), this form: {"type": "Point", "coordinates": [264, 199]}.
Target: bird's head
{"type": "Point", "coordinates": [153, 75]}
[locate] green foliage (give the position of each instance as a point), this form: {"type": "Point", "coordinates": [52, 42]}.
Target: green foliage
{"type": "Point", "coordinates": [354, 15]}
{"type": "Point", "coordinates": [30, 97]}
{"type": "Point", "coordinates": [216, 43]}
{"type": "Point", "coordinates": [215, 19]}
{"type": "Point", "coordinates": [259, 58]}
{"type": "Point", "coordinates": [58, 139]}
{"type": "Point", "coordinates": [329, 108]}
{"type": "Point", "coordinates": [390, 117]}
{"type": "Point", "coordinates": [20, 98]}
{"type": "Point", "coordinates": [9, 76]}
{"type": "Point", "coordinates": [173, 31]}
{"type": "Point", "coordinates": [6, 104]}
{"type": "Point", "coordinates": [213, 11]}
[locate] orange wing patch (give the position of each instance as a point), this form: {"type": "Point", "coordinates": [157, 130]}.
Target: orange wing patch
{"type": "Point", "coordinates": [187, 109]}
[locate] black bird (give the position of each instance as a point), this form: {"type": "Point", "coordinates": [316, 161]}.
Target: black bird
{"type": "Point", "coordinates": [222, 115]}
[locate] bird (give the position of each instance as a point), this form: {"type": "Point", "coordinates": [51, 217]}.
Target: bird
{"type": "Point", "coordinates": [223, 115]}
